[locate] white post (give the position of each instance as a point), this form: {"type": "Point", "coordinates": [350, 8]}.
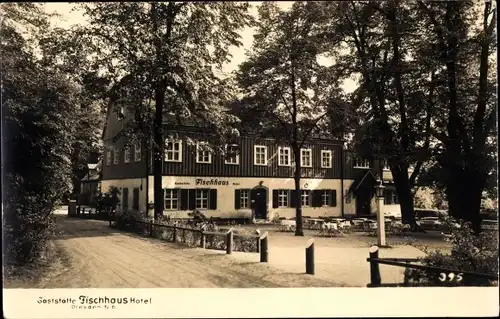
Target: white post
{"type": "Point", "coordinates": [380, 222]}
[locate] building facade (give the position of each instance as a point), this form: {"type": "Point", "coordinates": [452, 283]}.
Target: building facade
{"type": "Point", "coordinates": [250, 177]}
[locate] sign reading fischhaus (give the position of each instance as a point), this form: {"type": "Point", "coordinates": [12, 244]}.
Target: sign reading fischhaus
{"type": "Point", "coordinates": [208, 182]}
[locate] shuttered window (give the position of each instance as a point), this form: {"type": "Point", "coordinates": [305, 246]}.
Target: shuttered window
{"type": "Point", "coordinates": [241, 198]}
{"type": "Point", "coordinates": [390, 197]}
{"type": "Point", "coordinates": [125, 199]}
{"type": "Point", "coordinates": [305, 197]}
{"type": "Point", "coordinates": [324, 198]}
{"type": "Point", "coordinates": [171, 199]}
{"type": "Point", "coordinates": [135, 199]}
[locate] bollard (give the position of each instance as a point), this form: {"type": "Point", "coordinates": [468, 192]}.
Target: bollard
{"type": "Point", "coordinates": [229, 242]}
{"type": "Point", "coordinates": [310, 257]}
{"type": "Point", "coordinates": [375, 279]}
{"type": "Point", "coordinates": [151, 228]}
{"type": "Point", "coordinates": [175, 234]}
{"type": "Point", "coordinates": [263, 249]}
{"type": "Point", "coordinates": [203, 240]}
{"type": "Point", "coordinates": [183, 239]}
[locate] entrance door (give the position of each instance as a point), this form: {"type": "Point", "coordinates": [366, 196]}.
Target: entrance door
{"type": "Point", "coordinates": [363, 201]}
{"type": "Point", "coordinates": [259, 198]}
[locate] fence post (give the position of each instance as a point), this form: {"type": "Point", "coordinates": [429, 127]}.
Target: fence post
{"type": "Point", "coordinates": [375, 279]}
{"type": "Point", "coordinates": [310, 257]}
{"type": "Point", "coordinates": [258, 244]}
{"type": "Point", "coordinates": [183, 239]}
{"type": "Point", "coordinates": [151, 228]}
{"type": "Point", "coordinates": [203, 240]}
{"type": "Point", "coordinates": [229, 242]}
{"type": "Point", "coordinates": [175, 234]}
{"type": "Point", "coordinates": [263, 249]}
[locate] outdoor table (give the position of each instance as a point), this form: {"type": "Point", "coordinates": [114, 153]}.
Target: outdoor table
{"type": "Point", "coordinates": [315, 223]}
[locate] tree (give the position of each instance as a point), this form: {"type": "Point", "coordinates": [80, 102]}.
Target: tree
{"type": "Point", "coordinates": [381, 45]}
{"type": "Point", "coordinates": [466, 135]}
{"type": "Point", "coordinates": [38, 133]}
{"type": "Point", "coordinates": [281, 82]}
{"type": "Point", "coordinates": [168, 57]}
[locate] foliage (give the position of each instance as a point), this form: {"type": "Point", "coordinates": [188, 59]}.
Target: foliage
{"type": "Point", "coordinates": [283, 87]}
{"type": "Point", "coordinates": [109, 200]}
{"type": "Point", "coordinates": [38, 134]}
{"type": "Point", "coordinates": [470, 252]}
{"type": "Point", "coordinates": [466, 143]}
{"type": "Point", "coordinates": [165, 58]}
{"type": "Point", "coordinates": [197, 218]}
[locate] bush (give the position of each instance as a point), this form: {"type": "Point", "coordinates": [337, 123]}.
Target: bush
{"type": "Point", "coordinates": [470, 252]}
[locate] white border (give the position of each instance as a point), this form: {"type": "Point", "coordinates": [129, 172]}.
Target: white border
{"type": "Point", "coordinates": [273, 302]}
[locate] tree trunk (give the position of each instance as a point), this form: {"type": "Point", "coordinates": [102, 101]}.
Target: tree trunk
{"type": "Point", "coordinates": [158, 151]}
{"type": "Point", "coordinates": [405, 195]}
{"type": "Point", "coordinates": [298, 193]}
{"type": "Point", "coordinates": [464, 195]}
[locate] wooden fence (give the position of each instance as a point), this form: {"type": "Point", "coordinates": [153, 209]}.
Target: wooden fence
{"type": "Point", "coordinates": [440, 276]}
{"type": "Point", "coordinates": [226, 240]}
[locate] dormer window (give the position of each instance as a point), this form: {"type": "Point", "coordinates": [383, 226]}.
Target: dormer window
{"type": "Point", "coordinates": [284, 156]}
{"type": "Point", "coordinates": [203, 154]}
{"type": "Point", "coordinates": [126, 154]}
{"type": "Point", "coordinates": [137, 151]}
{"type": "Point", "coordinates": [116, 156]}
{"type": "Point", "coordinates": [232, 156]}
{"type": "Point", "coordinates": [306, 157]}
{"type": "Point", "coordinates": [361, 163]}
{"type": "Point", "coordinates": [260, 155]}
{"type": "Point", "coordinates": [173, 151]}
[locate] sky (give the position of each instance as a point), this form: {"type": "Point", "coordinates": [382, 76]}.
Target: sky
{"type": "Point", "coordinates": [70, 17]}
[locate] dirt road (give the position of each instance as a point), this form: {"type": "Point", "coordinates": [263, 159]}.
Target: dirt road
{"type": "Point", "coordinates": [96, 256]}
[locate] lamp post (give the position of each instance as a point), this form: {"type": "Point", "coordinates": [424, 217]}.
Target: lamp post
{"type": "Point", "coordinates": [379, 191]}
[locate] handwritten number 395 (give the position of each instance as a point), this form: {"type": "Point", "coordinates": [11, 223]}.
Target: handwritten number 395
{"type": "Point", "coordinates": [450, 277]}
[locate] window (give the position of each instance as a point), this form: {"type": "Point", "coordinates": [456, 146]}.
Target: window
{"type": "Point", "coordinates": [306, 157]}
{"type": "Point", "coordinates": [282, 198]}
{"type": "Point", "coordinates": [260, 155]}
{"type": "Point", "coordinates": [137, 151]}
{"type": "Point", "coordinates": [284, 155]}
{"type": "Point", "coordinates": [232, 156]}
{"type": "Point", "coordinates": [173, 151]}
{"type": "Point", "coordinates": [202, 198]}
{"type": "Point", "coordinates": [135, 199]}
{"type": "Point", "coordinates": [203, 154]}
{"type": "Point", "coordinates": [171, 199]}
{"type": "Point", "coordinates": [325, 198]}
{"type": "Point", "coordinates": [361, 163]}
{"type": "Point", "coordinates": [244, 198]}
{"type": "Point", "coordinates": [326, 159]}
{"type": "Point", "coordinates": [115, 156]}
{"type": "Point", "coordinates": [125, 199]}
{"type": "Point", "coordinates": [386, 165]}
{"type": "Point", "coordinates": [305, 197]}
{"type": "Point", "coordinates": [126, 154]}
{"type": "Point", "coordinates": [390, 197]}
{"type": "Point", "coordinates": [108, 157]}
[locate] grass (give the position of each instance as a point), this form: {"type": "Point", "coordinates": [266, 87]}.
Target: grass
{"type": "Point", "coordinates": [35, 274]}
